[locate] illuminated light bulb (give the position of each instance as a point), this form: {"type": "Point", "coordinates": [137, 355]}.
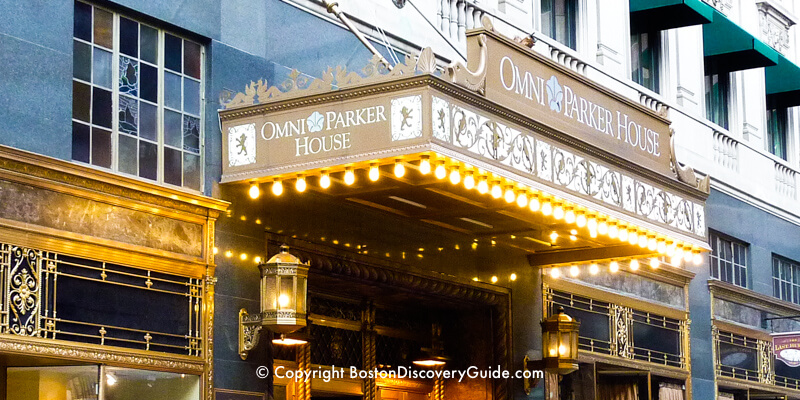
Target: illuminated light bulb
{"type": "Point", "coordinates": [229, 254]}
{"type": "Point", "coordinates": [425, 166]}
{"type": "Point", "coordinates": [569, 216]}
{"type": "Point", "coordinates": [277, 188]}
{"type": "Point", "coordinates": [580, 220]}
{"type": "Point", "coordinates": [497, 191]}
{"type": "Point", "coordinates": [675, 261]}
{"type": "Point", "coordinates": [283, 301]}
{"type": "Point", "coordinates": [300, 184]}
{"type": "Point", "coordinates": [111, 380]}
{"type": "Point", "coordinates": [509, 195]}
{"type": "Point", "coordinates": [613, 231]}
{"type": "Point", "coordinates": [642, 241]}
{"type": "Point", "coordinates": [678, 252]}
{"type": "Point", "coordinates": [591, 224]}
{"type": "Point", "coordinates": [697, 259]}
{"type": "Point", "coordinates": [469, 181]}
{"type": "Point", "coordinates": [573, 232]}
{"type": "Point", "coordinates": [547, 208]}
{"type": "Point", "coordinates": [215, 250]}
{"type": "Point", "coordinates": [349, 177]}
{"type": "Point", "coordinates": [554, 236]}
{"type": "Point", "coordinates": [562, 350]}
{"type": "Point", "coordinates": [455, 176]}
{"type": "Point", "coordinates": [243, 256]}
{"type": "Point", "coordinates": [558, 212]}
{"type": "Point", "coordinates": [613, 267]}
{"type": "Point", "coordinates": [494, 279]}
{"type": "Point", "coordinates": [553, 352]}
{"type": "Point", "coordinates": [652, 243]}
{"type": "Point", "coordinates": [257, 260]}
{"type": "Point", "coordinates": [440, 172]}
{"type": "Point", "coordinates": [592, 233]}
{"type": "Point", "coordinates": [374, 173]}
{"type": "Point", "coordinates": [483, 186]}
{"type": "Point", "coordinates": [602, 227]}
{"type": "Point", "coordinates": [399, 169]}
{"type": "Point", "coordinates": [522, 200]}
{"type": "Point", "coordinates": [661, 247]}
{"type": "Point", "coordinates": [574, 271]}
{"type": "Point", "coordinates": [475, 279]}
{"type": "Point", "coordinates": [634, 265]}
{"type": "Point", "coordinates": [687, 256]}
{"type": "Point", "coordinates": [623, 235]}
{"type": "Point", "coordinates": [325, 181]}
{"type": "Point", "coordinates": [654, 263]}
{"type": "Point", "coordinates": [534, 204]}
{"type": "Point", "coordinates": [512, 277]}
{"type": "Point", "coordinates": [633, 238]}
{"type": "Point", "coordinates": [670, 249]}
{"type": "Point", "coordinates": [594, 269]}
{"type": "Point", "coordinates": [254, 191]}
{"type": "Point", "coordinates": [555, 273]}
{"type": "Point", "coordinates": [573, 238]}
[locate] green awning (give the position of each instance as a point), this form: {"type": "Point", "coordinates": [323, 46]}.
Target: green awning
{"type": "Point", "coordinates": [783, 84]}
{"type": "Point", "coordinates": [727, 47]}
{"type": "Point", "coordinates": [659, 15]}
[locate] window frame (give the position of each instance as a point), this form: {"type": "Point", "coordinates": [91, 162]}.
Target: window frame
{"type": "Point", "coordinates": [715, 260]}
{"type": "Point", "coordinates": [780, 285]}
{"type": "Point", "coordinates": [718, 103]}
{"type": "Point", "coordinates": [777, 132]}
{"type": "Point", "coordinates": [571, 10]}
{"type": "Point", "coordinates": [654, 43]}
{"type": "Point", "coordinates": [160, 103]}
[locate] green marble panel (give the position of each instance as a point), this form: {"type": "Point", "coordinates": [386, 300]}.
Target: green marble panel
{"type": "Point", "coordinates": [638, 286]}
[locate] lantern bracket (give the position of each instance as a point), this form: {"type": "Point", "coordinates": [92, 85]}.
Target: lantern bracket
{"type": "Point", "coordinates": [249, 332]}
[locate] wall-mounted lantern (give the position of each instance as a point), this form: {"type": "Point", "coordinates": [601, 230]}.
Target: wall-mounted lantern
{"type": "Point", "coordinates": [560, 343]}
{"type": "Point", "coordinates": [283, 302]}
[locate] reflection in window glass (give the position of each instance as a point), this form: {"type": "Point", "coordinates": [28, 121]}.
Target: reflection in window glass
{"type": "Point", "coordinates": [776, 131]}
{"type": "Point", "coordinates": [645, 53]}
{"type": "Point", "coordinates": [718, 88]}
{"type": "Point", "coordinates": [34, 383]}
{"type": "Point", "coordinates": [134, 384]}
{"type": "Point", "coordinates": [559, 21]}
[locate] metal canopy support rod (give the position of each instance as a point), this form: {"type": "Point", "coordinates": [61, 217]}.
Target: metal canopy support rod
{"type": "Point", "coordinates": [333, 8]}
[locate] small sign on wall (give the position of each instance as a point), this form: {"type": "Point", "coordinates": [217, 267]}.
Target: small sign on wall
{"type": "Point", "coordinates": [786, 347]}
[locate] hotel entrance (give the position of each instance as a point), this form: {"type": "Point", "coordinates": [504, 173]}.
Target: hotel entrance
{"type": "Point", "coordinates": [442, 214]}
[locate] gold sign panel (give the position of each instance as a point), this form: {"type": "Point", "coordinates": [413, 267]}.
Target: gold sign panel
{"type": "Point", "coordinates": [542, 90]}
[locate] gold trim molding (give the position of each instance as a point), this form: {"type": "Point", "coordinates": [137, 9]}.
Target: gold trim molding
{"type": "Point", "coordinates": [104, 355]}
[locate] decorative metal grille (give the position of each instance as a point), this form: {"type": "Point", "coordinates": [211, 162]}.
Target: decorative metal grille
{"type": "Point", "coordinates": [333, 346]}
{"type": "Point", "coordinates": [54, 296]}
{"type": "Point", "coordinates": [393, 352]}
{"type": "Point", "coordinates": [620, 331]}
{"type": "Point", "coordinates": [334, 308]}
{"type": "Point", "coordinates": [737, 356]}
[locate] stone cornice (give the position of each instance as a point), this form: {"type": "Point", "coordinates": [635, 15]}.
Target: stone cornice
{"type": "Point", "coordinates": [736, 294]}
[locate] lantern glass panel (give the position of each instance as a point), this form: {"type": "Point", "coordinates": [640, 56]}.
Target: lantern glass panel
{"type": "Point", "coordinates": [552, 343]}
{"type": "Point", "coordinates": [301, 294]}
{"type": "Point", "coordinates": [269, 300]}
{"type": "Point", "coordinates": [565, 345]}
{"type": "Point", "coordinates": [286, 295]}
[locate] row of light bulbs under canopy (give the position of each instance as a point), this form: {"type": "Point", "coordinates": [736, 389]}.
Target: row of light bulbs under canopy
{"type": "Point", "coordinates": [487, 183]}
{"type": "Point", "coordinates": [614, 266]}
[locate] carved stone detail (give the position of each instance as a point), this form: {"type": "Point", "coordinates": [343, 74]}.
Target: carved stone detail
{"type": "Point", "coordinates": [774, 24]}
{"type": "Point", "coordinates": [476, 81]}
{"type": "Point", "coordinates": [685, 173]}
{"type": "Point", "coordinates": [723, 6]}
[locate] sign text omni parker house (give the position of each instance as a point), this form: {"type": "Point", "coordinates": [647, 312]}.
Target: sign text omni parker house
{"type": "Point", "coordinates": [565, 100]}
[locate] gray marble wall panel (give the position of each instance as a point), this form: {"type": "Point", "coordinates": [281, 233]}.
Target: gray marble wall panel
{"type": "Point", "coordinates": [736, 312]}
{"type": "Point", "coordinates": [70, 213]}
{"type": "Point", "coordinates": [638, 286]}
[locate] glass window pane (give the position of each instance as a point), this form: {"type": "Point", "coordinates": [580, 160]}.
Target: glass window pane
{"type": "Point", "coordinates": [191, 96]}
{"type": "Point", "coordinates": [148, 83]}
{"type": "Point", "coordinates": [142, 384]}
{"type": "Point", "coordinates": [101, 147]}
{"type": "Point", "coordinates": [103, 28]}
{"type": "Point", "coordinates": [173, 128]}
{"type": "Point", "coordinates": [82, 24]}
{"type": "Point", "coordinates": [191, 59]}
{"type": "Point", "coordinates": [81, 100]}
{"type": "Point", "coordinates": [148, 160]}
{"type": "Point", "coordinates": [82, 61]}
{"type": "Point", "coordinates": [148, 121]}
{"type": "Point", "coordinates": [80, 142]}
{"type": "Point", "coordinates": [101, 107]}
{"type": "Point", "coordinates": [149, 46]}
{"type": "Point", "coordinates": [34, 383]}
{"type": "Point", "coordinates": [128, 115]}
{"type": "Point", "coordinates": [191, 134]}
{"type": "Point", "coordinates": [173, 52]}
{"type": "Point", "coordinates": [172, 166]}
{"type": "Point", "coordinates": [128, 76]}
{"type": "Point", "coordinates": [102, 68]}
{"type": "Point", "coordinates": [128, 154]}
{"type": "Point", "coordinates": [172, 90]}
{"type": "Point", "coordinates": [129, 37]}
{"type": "Point", "coordinates": [191, 171]}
